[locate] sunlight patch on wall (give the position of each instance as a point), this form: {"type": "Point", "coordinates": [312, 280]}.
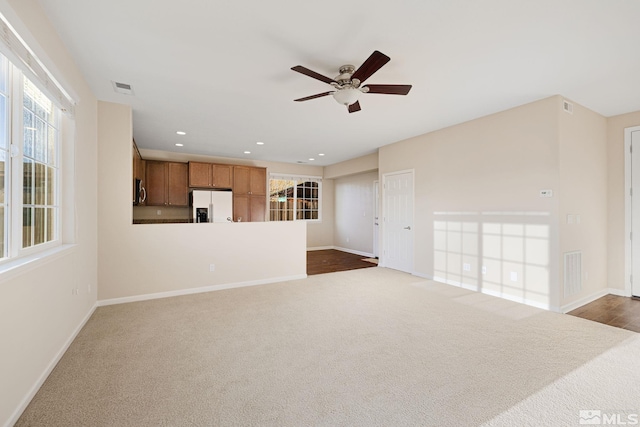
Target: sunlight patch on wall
{"type": "Point", "coordinates": [495, 253]}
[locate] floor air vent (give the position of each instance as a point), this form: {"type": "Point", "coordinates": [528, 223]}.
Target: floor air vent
{"type": "Point", "coordinates": [572, 273]}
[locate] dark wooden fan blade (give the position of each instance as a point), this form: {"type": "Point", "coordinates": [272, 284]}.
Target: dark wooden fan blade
{"type": "Point", "coordinates": [319, 95]}
{"type": "Point", "coordinates": [354, 107]}
{"type": "Point", "coordinates": [370, 66]}
{"type": "Point", "coordinates": [389, 89]}
{"type": "Point", "coordinates": [310, 73]}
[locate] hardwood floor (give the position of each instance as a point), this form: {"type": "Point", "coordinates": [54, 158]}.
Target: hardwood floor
{"type": "Point", "coordinates": [613, 310]}
{"type": "Point", "coordinates": [331, 260]}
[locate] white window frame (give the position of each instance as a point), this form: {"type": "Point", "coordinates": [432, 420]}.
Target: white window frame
{"type": "Point", "coordinates": [294, 177]}
{"type": "Point", "coordinates": [13, 231]}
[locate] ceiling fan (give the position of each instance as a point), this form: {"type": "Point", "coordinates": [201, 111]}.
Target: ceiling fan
{"type": "Point", "coordinates": [347, 84]}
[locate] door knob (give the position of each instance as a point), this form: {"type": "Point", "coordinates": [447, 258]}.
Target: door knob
{"type": "Point", "coordinates": [407, 227]}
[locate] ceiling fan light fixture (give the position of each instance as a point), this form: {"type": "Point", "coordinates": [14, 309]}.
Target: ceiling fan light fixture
{"type": "Point", "coordinates": [347, 96]}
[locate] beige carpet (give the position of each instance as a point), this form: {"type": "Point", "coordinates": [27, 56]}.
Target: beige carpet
{"type": "Point", "coordinates": [369, 347]}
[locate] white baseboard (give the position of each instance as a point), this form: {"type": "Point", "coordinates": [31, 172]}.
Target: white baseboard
{"type": "Point", "coordinates": [145, 297]}
{"type": "Point", "coordinates": [594, 296]}
{"type": "Point", "coordinates": [422, 275]}
{"type": "Point", "coordinates": [352, 251]}
{"type": "Point", "coordinates": [508, 297]}
{"type": "Point", "coordinates": [619, 292]}
{"type": "Point", "coordinates": [45, 374]}
{"type": "Point", "coordinates": [338, 248]}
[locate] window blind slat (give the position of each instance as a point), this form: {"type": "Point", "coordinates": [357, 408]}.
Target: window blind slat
{"type": "Point", "coordinates": [299, 178]}
{"type": "Point", "coordinates": [12, 46]}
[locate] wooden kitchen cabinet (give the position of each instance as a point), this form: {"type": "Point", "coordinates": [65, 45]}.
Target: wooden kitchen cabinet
{"type": "Point", "coordinates": [167, 183]}
{"type": "Point", "coordinates": [138, 177]}
{"type": "Point", "coordinates": [210, 175]}
{"type": "Point", "coordinates": [177, 184]}
{"type": "Point", "coordinates": [156, 175]}
{"type": "Point", "coordinates": [248, 208]}
{"type": "Point", "coordinates": [249, 193]}
{"type": "Point", "coordinates": [250, 180]}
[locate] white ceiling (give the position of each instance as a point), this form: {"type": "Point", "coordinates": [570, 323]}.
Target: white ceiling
{"type": "Point", "coordinates": [220, 70]}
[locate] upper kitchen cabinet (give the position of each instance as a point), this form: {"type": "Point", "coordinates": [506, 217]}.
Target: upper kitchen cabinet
{"type": "Point", "coordinates": [177, 185]}
{"type": "Point", "coordinates": [250, 180]}
{"type": "Point", "coordinates": [167, 183]}
{"type": "Point", "coordinates": [210, 175]}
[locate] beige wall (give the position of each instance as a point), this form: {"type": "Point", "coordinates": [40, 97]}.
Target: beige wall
{"type": "Point", "coordinates": [138, 260]}
{"type": "Point", "coordinates": [38, 313]}
{"type": "Point", "coordinates": [616, 237]}
{"type": "Point", "coordinates": [358, 165]}
{"type": "Point", "coordinates": [477, 197]}
{"type": "Point", "coordinates": [354, 198]}
{"type": "Point", "coordinates": [583, 196]}
{"type": "Point", "coordinates": [319, 234]}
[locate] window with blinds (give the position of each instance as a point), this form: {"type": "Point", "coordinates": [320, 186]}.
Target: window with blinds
{"type": "Point", "coordinates": [32, 103]}
{"type": "Point", "coordinates": [294, 198]}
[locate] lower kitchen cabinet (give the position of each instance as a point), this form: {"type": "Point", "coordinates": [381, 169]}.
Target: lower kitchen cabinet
{"type": "Point", "coordinates": [247, 208]}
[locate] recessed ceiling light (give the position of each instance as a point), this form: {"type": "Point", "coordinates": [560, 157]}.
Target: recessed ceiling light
{"type": "Point", "coordinates": [260, 143]}
{"type": "Point", "coordinates": [311, 159]}
{"type": "Point", "coordinates": [247, 152]}
{"type": "Point", "coordinates": [321, 154]}
{"type": "Point", "coordinates": [181, 132]}
{"type": "Point", "coordinates": [179, 145]}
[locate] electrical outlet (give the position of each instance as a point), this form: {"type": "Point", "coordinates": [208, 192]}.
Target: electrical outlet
{"type": "Point", "coordinates": [212, 267]}
{"type": "Point", "coordinates": [514, 276]}
{"type": "Point", "coordinates": [466, 267]}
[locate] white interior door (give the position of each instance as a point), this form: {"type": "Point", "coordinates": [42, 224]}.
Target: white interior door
{"type": "Point", "coordinates": [398, 221]}
{"type": "Point", "coordinates": [635, 212]}
{"type": "Point", "coordinates": [376, 222]}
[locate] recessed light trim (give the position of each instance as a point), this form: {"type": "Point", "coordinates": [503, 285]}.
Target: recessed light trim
{"type": "Point", "coordinates": [259, 143]}
{"type": "Point", "coordinates": [179, 145]}
{"type": "Point", "coordinates": [181, 133]}
{"type": "Point", "coordinates": [311, 159]}
{"type": "Point", "coordinates": [247, 152]}
{"type": "Point", "coordinates": [321, 154]}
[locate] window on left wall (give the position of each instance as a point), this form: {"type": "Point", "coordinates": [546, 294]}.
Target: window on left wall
{"type": "Point", "coordinates": [29, 166]}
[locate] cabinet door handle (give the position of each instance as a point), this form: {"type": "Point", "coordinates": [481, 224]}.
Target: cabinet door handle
{"type": "Point", "coordinates": [144, 192]}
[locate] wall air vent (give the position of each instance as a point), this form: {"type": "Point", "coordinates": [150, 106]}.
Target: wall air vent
{"type": "Point", "coordinates": [572, 273]}
{"type": "Point", "coordinates": [567, 106]}
{"type": "Point", "coordinates": [123, 88]}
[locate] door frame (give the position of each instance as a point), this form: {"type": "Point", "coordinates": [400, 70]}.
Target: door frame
{"type": "Point", "coordinates": [628, 259]}
{"type": "Point", "coordinates": [383, 210]}
{"type": "Point", "coordinates": [376, 220]}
